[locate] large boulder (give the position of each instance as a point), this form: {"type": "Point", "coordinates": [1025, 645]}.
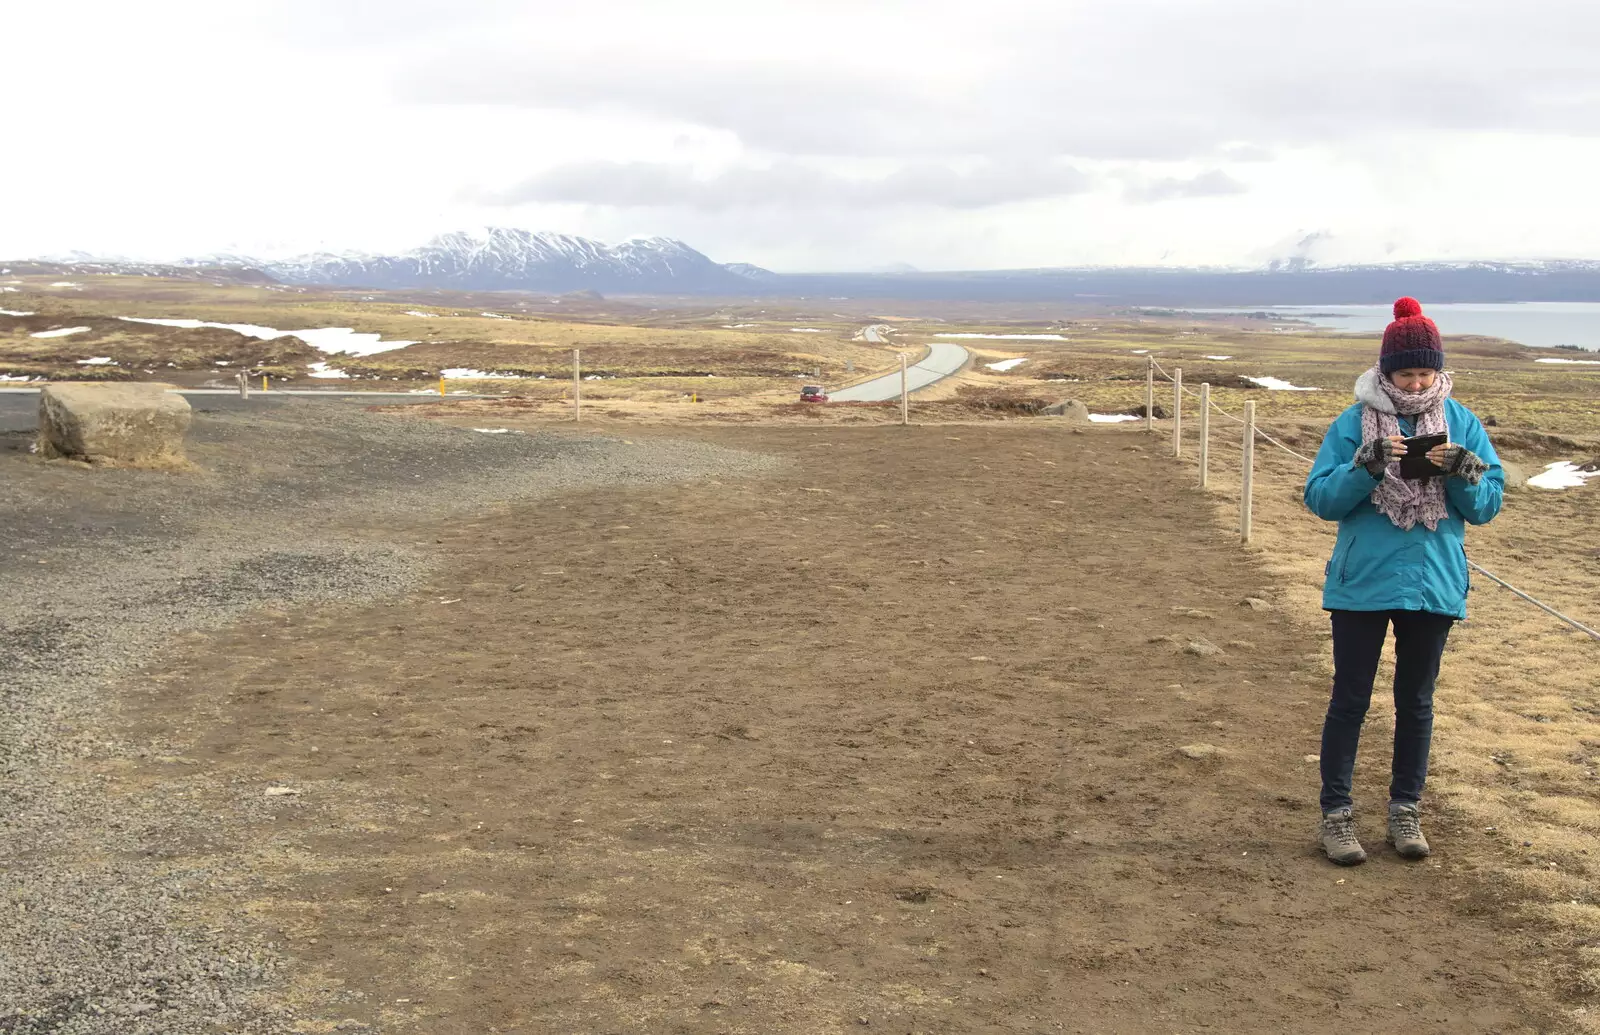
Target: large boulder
{"type": "Point", "coordinates": [137, 425]}
{"type": "Point", "coordinates": [1072, 409]}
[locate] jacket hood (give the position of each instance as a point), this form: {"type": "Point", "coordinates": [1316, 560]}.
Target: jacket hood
{"type": "Point", "coordinates": [1371, 393]}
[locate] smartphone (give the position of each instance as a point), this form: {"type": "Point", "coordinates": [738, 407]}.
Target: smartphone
{"type": "Point", "coordinates": [1415, 464]}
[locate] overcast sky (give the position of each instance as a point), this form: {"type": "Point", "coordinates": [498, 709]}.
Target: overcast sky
{"type": "Point", "coordinates": [823, 134]}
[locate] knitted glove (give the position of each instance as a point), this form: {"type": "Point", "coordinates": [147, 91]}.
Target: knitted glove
{"type": "Point", "coordinates": [1375, 456]}
{"type": "Point", "coordinates": [1461, 462]}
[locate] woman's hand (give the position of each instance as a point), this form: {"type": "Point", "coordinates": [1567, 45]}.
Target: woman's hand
{"type": "Point", "coordinates": [1458, 461]}
{"type": "Point", "coordinates": [1378, 454]}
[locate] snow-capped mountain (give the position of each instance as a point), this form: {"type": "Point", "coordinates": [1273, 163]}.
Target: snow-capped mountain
{"type": "Point", "coordinates": [505, 259]}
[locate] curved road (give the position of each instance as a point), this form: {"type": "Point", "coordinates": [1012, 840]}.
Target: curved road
{"type": "Point", "coordinates": [943, 359]}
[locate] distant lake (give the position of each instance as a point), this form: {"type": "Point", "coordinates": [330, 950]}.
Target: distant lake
{"type": "Point", "coordinates": [1529, 323]}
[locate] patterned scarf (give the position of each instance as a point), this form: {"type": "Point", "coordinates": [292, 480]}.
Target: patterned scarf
{"type": "Point", "coordinates": [1405, 501]}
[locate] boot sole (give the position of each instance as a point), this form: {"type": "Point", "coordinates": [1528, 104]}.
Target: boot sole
{"type": "Point", "coordinates": [1408, 855]}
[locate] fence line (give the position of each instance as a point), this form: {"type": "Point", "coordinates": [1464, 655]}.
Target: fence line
{"type": "Point", "coordinates": [1252, 430]}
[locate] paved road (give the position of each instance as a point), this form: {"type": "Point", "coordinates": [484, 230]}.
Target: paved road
{"type": "Point", "coordinates": [874, 334]}
{"type": "Point", "coordinates": [19, 407]}
{"type": "Point", "coordinates": [943, 359]}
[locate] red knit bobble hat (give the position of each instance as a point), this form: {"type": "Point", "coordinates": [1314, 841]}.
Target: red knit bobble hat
{"type": "Point", "coordinates": [1412, 341]}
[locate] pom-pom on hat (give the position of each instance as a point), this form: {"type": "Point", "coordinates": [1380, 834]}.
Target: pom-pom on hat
{"type": "Point", "coordinates": [1411, 342]}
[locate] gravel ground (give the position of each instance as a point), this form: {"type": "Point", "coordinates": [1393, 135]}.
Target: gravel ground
{"type": "Point", "coordinates": [99, 569]}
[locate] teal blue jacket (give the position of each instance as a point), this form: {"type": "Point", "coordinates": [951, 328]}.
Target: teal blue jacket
{"type": "Point", "coordinates": [1377, 566]}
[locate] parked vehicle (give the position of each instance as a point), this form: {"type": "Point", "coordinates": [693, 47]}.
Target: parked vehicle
{"type": "Point", "coordinates": [813, 394]}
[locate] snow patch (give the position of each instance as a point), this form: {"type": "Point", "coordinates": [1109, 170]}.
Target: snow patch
{"type": "Point", "coordinates": [17, 377]}
{"type": "Point", "coordinates": [492, 431]}
{"type": "Point", "coordinates": [14, 312]}
{"type": "Point", "coordinates": [1112, 418]}
{"type": "Point", "coordinates": [97, 361]}
{"type": "Point", "coordinates": [1005, 364]}
{"type": "Point", "coordinates": [469, 374]}
{"type": "Point", "coordinates": [321, 369]}
{"type": "Point", "coordinates": [67, 284]}
{"type": "Point", "coordinates": [1009, 337]}
{"type": "Point", "coordinates": [338, 340]}
{"type": "Point", "coordinates": [1277, 384]}
{"type": "Point", "coordinates": [1572, 362]}
{"type": "Point", "coordinates": [495, 316]}
{"type": "Point", "coordinates": [805, 330]}
{"type": "Point", "coordinates": [739, 326]}
{"type": "Point", "coordinates": [413, 312]}
{"type": "Point", "coordinates": [1218, 358]}
{"type": "Point", "coordinates": [1563, 474]}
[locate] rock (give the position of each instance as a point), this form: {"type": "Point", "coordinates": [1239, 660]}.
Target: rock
{"type": "Point", "coordinates": [1202, 649]}
{"type": "Point", "coordinates": [1516, 477]}
{"type": "Point", "coordinates": [136, 425]}
{"type": "Point", "coordinates": [1193, 612]}
{"type": "Point", "coordinates": [1241, 645]}
{"type": "Point", "coordinates": [1072, 409]}
{"type": "Point", "coordinates": [1201, 752]}
{"type": "Point", "coordinates": [1159, 411]}
{"type": "Point", "coordinates": [1256, 604]}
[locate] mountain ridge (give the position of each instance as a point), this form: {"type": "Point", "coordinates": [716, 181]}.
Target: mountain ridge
{"type": "Point", "coordinates": [509, 259]}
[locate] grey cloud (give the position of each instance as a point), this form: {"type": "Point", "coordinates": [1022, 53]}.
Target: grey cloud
{"type": "Point", "coordinates": [789, 185]}
{"type": "Point", "coordinates": [1140, 79]}
{"type": "Point", "coordinates": [1212, 184]}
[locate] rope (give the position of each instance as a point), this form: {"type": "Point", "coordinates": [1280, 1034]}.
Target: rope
{"type": "Point", "coordinates": [1480, 569]}
{"type": "Point", "coordinates": [1225, 413]}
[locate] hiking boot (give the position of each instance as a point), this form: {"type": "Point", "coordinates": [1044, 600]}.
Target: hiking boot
{"type": "Point", "coordinates": [1405, 831]}
{"type": "Point", "coordinates": [1339, 838]}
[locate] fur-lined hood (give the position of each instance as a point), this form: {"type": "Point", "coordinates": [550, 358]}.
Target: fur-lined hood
{"type": "Point", "coordinates": [1370, 393]}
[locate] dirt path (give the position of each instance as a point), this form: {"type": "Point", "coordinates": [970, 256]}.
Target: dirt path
{"type": "Point", "coordinates": [855, 747]}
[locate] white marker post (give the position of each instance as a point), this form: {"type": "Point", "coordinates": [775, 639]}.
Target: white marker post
{"type": "Point", "coordinates": [1177, 411]}
{"type": "Point", "coordinates": [904, 395]}
{"type": "Point", "coordinates": [1150, 394]}
{"type": "Point", "coordinates": [1205, 430]}
{"type": "Point", "coordinates": [1249, 470]}
{"type": "Point", "coordinates": [244, 385]}
{"type": "Point", "coordinates": [577, 389]}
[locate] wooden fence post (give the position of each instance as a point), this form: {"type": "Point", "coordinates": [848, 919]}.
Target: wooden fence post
{"type": "Point", "coordinates": [577, 387]}
{"type": "Point", "coordinates": [244, 385]}
{"type": "Point", "coordinates": [1177, 411]}
{"type": "Point", "coordinates": [1248, 471]}
{"type": "Point", "coordinates": [1149, 394]}
{"type": "Point", "coordinates": [904, 406]}
{"type": "Point", "coordinates": [1205, 430]}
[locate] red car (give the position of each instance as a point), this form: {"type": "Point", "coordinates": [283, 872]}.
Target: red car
{"type": "Point", "coordinates": [813, 394]}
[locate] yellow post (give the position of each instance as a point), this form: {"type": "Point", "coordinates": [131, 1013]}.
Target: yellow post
{"type": "Point", "coordinates": [441, 384]}
{"type": "Point", "coordinates": [263, 382]}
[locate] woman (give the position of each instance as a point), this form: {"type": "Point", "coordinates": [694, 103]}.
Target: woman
{"type": "Point", "coordinates": [1398, 561]}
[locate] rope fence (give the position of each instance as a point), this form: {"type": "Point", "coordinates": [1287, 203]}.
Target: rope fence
{"type": "Point", "coordinates": [1253, 431]}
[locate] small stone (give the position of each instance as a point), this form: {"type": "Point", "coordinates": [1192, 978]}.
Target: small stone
{"type": "Point", "coordinates": [1201, 752]}
{"type": "Point", "coordinates": [979, 657]}
{"type": "Point", "coordinates": [1244, 645]}
{"type": "Point", "coordinates": [1202, 649]}
{"type": "Point", "coordinates": [519, 587]}
{"type": "Point", "coordinates": [1313, 758]}
{"type": "Point", "coordinates": [280, 792]}
{"type": "Point", "coordinates": [1256, 604]}
{"type": "Point", "coordinates": [1193, 612]}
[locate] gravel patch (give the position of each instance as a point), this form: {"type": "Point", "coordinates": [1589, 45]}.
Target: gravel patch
{"type": "Point", "coordinates": [305, 502]}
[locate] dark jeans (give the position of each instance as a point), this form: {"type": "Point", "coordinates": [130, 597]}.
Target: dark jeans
{"type": "Point", "coordinates": [1358, 636]}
